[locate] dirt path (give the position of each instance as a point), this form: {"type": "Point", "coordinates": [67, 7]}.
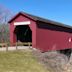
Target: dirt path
{"type": "Point", "coordinates": [14, 48]}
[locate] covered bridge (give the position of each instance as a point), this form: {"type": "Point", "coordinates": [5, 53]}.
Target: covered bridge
{"type": "Point", "coordinates": [44, 34]}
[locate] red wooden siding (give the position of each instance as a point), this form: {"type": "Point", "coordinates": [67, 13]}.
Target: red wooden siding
{"type": "Point", "coordinates": [52, 40]}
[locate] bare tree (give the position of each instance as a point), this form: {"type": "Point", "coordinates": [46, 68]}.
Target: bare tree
{"type": "Point", "coordinates": [5, 15]}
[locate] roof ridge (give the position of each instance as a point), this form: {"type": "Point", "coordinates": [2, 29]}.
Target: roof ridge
{"type": "Point", "coordinates": [37, 18]}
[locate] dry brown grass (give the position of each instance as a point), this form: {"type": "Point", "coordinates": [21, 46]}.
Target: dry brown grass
{"type": "Point", "coordinates": [54, 61]}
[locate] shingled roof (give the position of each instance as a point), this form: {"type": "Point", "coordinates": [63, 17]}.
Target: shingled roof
{"type": "Point", "coordinates": [37, 18]}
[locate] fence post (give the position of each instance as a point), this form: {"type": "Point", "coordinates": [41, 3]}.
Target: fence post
{"type": "Point", "coordinates": [16, 45]}
{"type": "Point", "coordinates": [7, 47]}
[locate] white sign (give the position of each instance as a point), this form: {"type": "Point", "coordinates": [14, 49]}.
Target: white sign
{"type": "Point", "coordinates": [22, 23]}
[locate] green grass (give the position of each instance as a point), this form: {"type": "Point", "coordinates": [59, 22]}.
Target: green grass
{"type": "Point", "coordinates": [19, 61]}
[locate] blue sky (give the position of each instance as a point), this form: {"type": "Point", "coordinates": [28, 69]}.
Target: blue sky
{"type": "Point", "coordinates": [57, 10]}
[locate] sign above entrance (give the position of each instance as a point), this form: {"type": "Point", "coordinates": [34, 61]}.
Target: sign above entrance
{"type": "Point", "coordinates": [22, 23]}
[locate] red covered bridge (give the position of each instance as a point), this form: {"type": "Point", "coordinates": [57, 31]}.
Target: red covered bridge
{"type": "Point", "coordinates": [44, 34]}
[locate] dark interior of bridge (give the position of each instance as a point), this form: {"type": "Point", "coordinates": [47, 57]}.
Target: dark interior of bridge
{"type": "Point", "coordinates": [23, 33]}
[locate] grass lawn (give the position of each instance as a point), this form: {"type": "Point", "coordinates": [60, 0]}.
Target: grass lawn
{"type": "Point", "coordinates": [20, 61]}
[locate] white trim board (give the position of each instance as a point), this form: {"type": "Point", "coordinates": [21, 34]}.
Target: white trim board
{"type": "Point", "coordinates": [22, 23]}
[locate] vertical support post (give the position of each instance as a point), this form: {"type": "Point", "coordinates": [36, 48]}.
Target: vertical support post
{"type": "Point", "coordinates": [29, 44]}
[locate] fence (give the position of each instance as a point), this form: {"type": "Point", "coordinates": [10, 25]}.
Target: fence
{"type": "Point", "coordinates": [6, 45]}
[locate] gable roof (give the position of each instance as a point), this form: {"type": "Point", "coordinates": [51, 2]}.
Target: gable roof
{"type": "Point", "coordinates": [37, 18]}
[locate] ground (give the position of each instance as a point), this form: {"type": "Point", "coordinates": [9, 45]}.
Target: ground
{"type": "Point", "coordinates": [20, 61]}
{"type": "Point", "coordinates": [31, 60]}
